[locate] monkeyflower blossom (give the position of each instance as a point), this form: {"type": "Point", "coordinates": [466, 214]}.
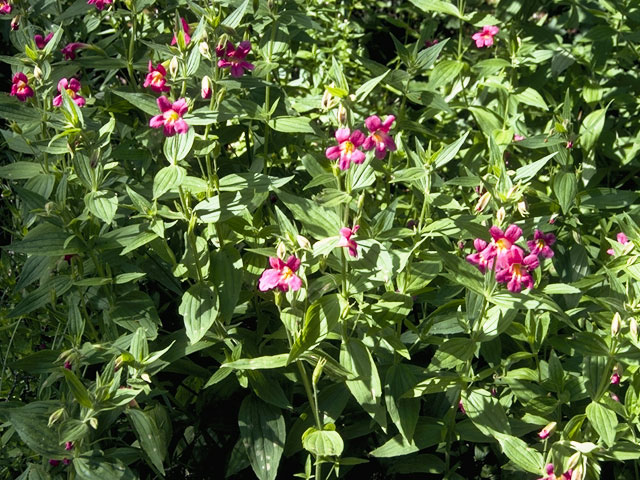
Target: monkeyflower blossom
{"type": "Point", "coordinates": [484, 38]}
{"type": "Point", "coordinates": [185, 29]}
{"type": "Point", "coordinates": [549, 469]}
{"type": "Point", "coordinates": [379, 135]}
{"type": "Point", "coordinates": [100, 4]}
{"type": "Point", "coordinates": [622, 239]}
{"type": "Point", "coordinates": [41, 41]}
{"type": "Point", "coordinates": [171, 116]}
{"type": "Point", "coordinates": [72, 87]}
{"type": "Point", "coordinates": [516, 273]}
{"type": "Point", "coordinates": [615, 378]}
{"type": "Point", "coordinates": [503, 241]}
{"type": "Point", "coordinates": [69, 50]}
{"type": "Point", "coordinates": [156, 78]}
{"type": "Point", "coordinates": [68, 445]}
{"type": "Point", "coordinates": [546, 431]}
{"type": "Point", "coordinates": [5, 7]}
{"type": "Point", "coordinates": [20, 87]}
{"type": "Point", "coordinates": [233, 57]}
{"type": "Point", "coordinates": [541, 244]}
{"type": "Point", "coordinates": [483, 258]}
{"type": "Point", "coordinates": [346, 240]}
{"type": "Point", "coordinates": [347, 148]}
{"type": "Point", "coordinates": [281, 275]}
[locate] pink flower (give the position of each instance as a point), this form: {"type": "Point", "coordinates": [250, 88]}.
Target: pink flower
{"type": "Point", "coordinates": [67, 365]}
{"type": "Point", "coordinates": [100, 4]}
{"type": "Point", "coordinates": [461, 408]}
{"type": "Point", "coordinates": [504, 241]}
{"type": "Point", "coordinates": [171, 116]}
{"type": "Point", "coordinates": [206, 87]}
{"type": "Point", "coordinates": [615, 378]}
{"type": "Point", "coordinates": [431, 43]}
{"type": "Point", "coordinates": [281, 275]}
{"type": "Point", "coordinates": [379, 135]}
{"type": "Point", "coordinates": [484, 38]}
{"type": "Point", "coordinates": [483, 258]}
{"type": "Point", "coordinates": [156, 78]}
{"type": "Point", "coordinates": [5, 7]}
{"type": "Point", "coordinates": [72, 87]}
{"type": "Point", "coordinates": [185, 29]}
{"type": "Point", "coordinates": [15, 23]}
{"type": "Point", "coordinates": [69, 50]}
{"type": "Point", "coordinates": [517, 137]}
{"type": "Point", "coordinates": [20, 87]}
{"type": "Point", "coordinates": [68, 445]}
{"type": "Point", "coordinates": [541, 244]}
{"type": "Point", "coordinates": [548, 430]}
{"type": "Point", "coordinates": [621, 237]}
{"type": "Point", "coordinates": [347, 241]}
{"type": "Point", "coordinates": [235, 58]}
{"type": "Point", "coordinates": [516, 272]}
{"type": "Point", "coordinates": [347, 148]}
{"type": "Point", "coordinates": [66, 461]}
{"type": "Point", "coordinates": [41, 41]}
{"type": "Point", "coordinates": [614, 397]}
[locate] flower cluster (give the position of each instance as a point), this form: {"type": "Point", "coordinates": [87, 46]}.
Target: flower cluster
{"type": "Point", "coordinates": [349, 142]}
{"type": "Point", "coordinates": [512, 266]}
{"type": "Point", "coordinates": [234, 57]}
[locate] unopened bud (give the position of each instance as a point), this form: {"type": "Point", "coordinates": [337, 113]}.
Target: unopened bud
{"type": "Point", "coordinates": [204, 50]}
{"type": "Point", "coordinates": [303, 242]}
{"type": "Point", "coordinates": [633, 328]}
{"type": "Point", "coordinates": [615, 324]}
{"type": "Point", "coordinates": [15, 23]}
{"type": "Point", "coordinates": [146, 377]}
{"type": "Point", "coordinates": [55, 416]}
{"type": "Point", "coordinates": [361, 201]}
{"type": "Point", "coordinates": [281, 250]}
{"type": "Point", "coordinates": [221, 47]}
{"type": "Point", "coordinates": [482, 203]}
{"type": "Point", "coordinates": [342, 115]}
{"type": "Point", "coordinates": [220, 96]}
{"type": "Point", "coordinates": [548, 430]}
{"type": "Point", "coordinates": [523, 208]}
{"type": "Point", "coordinates": [615, 376]}
{"type": "Point", "coordinates": [206, 87]}
{"type": "Point", "coordinates": [573, 461]}
{"type": "Point", "coordinates": [326, 100]}
{"type": "Point", "coordinates": [37, 73]}
{"type": "Point", "coordinates": [578, 473]}
{"type": "Point", "coordinates": [500, 215]}
{"type": "Point", "coordinates": [318, 370]}
{"type": "Point", "coordinates": [93, 421]}
{"type": "Point", "coordinates": [512, 191]}
{"type": "Point", "coordinates": [173, 67]}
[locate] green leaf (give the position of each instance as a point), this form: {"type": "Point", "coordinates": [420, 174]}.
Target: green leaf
{"type": "Point", "coordinates": [99, 467]}
{"type": "Point", "coordinates": [291, 124]}
{"type": "Point", "coordinates": [527, 172]}
{"type": "Point", "coordinates": [20, 170]}
{"type": "Point", "coordinates": [560, 289]}
{"type": "Point", "coordinates": [320, 319]}
{"type": "Point", "coordinates": [77, 388]}
{"type": "Point", "coordinates": [595, 370]}
{"type": "Point", "coordinates": [604, 421]}
{"type": "Point", "coordinates": [102, 204]}
{"type": "Point", "coordinates": [149, 437]}
{"type": "Point", "coordinates": [485, 412]}
{"type": "Point", "coordinates": [167, 178]}
{"type": "Point", "coordinates": [320, 222]}
{"type": "Point", "coordinates": [31, 424]}
{"type": "Point", "coordinates": [263, 434]}
{"type": "Point", "coordinates": [226, 270]}
{"type": "Point", "coordinates": [48, 240]}
{"type": "Point", "coordinates": [438, 6]}
{"type": "Point", "coordinates": [403, 411]}
{"type": "Point", "coordinates": [48, 290]}
{"type": "Point", "coordinates": [444, 73]}
{"type": "Point", "coordinates": [368, 86]}
{"type": "Point", "coordinates": [565, 186]}
{"type": "Point", "coordinates": [323, 442]}
{"type": "Point", "coordinates": [228, 205]}
{"type": "Point", "coordinates": [258, 363]}
{"type": "Point", "coordinates": [591, 128]}
{"type": "Point", "coordinates": [234, 19]}
{"type": "Point", "coordinates": [178, 147]}
{"type": "Point", "coordinates": [237, 182]}
{"type": "Point", "coordinates": [449, 152]}
{"type": "Point", "coordinates": [199, 308]}
{"type": "Point", "coordinates": [428, 56]}
{"type": "Point", "coordinates": [530, 96]}
{"type": "Point", "coordinates": [528, 459]}
{"type": "Point", "coordinates": [145, 102]}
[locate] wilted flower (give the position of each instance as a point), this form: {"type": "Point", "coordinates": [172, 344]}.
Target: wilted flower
{"type": "Point", "coordinates": [548, 430]}
{"type": "Point", "coordinates": [516, 272]}
{"type": "Point", "coordinates": [72, 87]}
{"type": "Point", "coordinates": [347, 241]}
{"type": "Point", "coordinates": [379, 135]}
{"type": "Point", "coordinates": [281, 275]}
{"type": "Point", "coordinates": [69, 50]}
{"type": "Point", "coordinates": [622, 239]}
{"type": "Point", "coordinates": [20, 87]}
{"type": "Point", "coordinates": [185, 29]}
{"type": "Point", "coordinates": [156, 78]}
{"type": "Point", "coordinates": [484, 38]}
{"type": "Point", "coordinates": [171, 116]}
{"type": "Point", "coordinates": [483, 258]}
{"type": "Point", "coordinates": [206, 87]}
{"type": "Point", "coordinates": [41, 41]}
{"type": "Point", "coordinates": [523, 208]}
{"type": "Point", "coordinates": [347, 148]}
{"type": "Point", "coordinates": [541, 244]}
{"type": "Point", "coordinates": [100, 4]}
{"type": "Point", "coordinates": [5, 7]}
{"type": "Point", "coordinates": [233, 57]}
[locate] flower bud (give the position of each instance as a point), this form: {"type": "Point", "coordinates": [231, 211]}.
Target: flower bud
{"type": "Point", "coordinates": [318, 370]}
{"type": "Point", "coordinates": [615, 376]}
{"type": "Point", "coordinates": [361, 201]}
{"type": "Point", "coordinates": [37, 73]}
{"type": "Point", "coordinates": [173, 67]}
{"type": "Point", "coordinates": [482, 203]}
{"type": "Point", "coordinates": [500, 215]}
{"type": "Point", "coordinates": [55, 416]}
{"type": "Point", "coordinates": [523, 208]}
{"type": "Point", "coordinates": [326, 100]}
{"type": "Point", "coordinates": [15, 23]}
{"type": "Point", "coordinates": [548, 430]}
{"type": "Point", "coordinates": [578, 473]}
{"type": "Point", "coordinates": [633, 327]}
{"type": "Point", "coordinates": [204, 50]}
{"type": "Point", "coordinates": [615, 324]}
{"type": "Point", "coordinates": [342, 115]}
{"type": "Point", "coordinates": [303, 242]}
{"type": "Point", "coordinates": [512, 191]}
{"type": "Point", "coordinates": [281, 250]}
{"type": "Point", "coordinates": [93, 422]}
{"type": "Point", "coordinates": [220, 96]}
{"type": "Point", "coordinates": [221, 46]}
{"type": "Point", "coordinates": [206, 87]}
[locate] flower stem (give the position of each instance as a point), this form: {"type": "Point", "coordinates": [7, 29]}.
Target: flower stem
{"type": "Point", "coordinates": [132, 39]}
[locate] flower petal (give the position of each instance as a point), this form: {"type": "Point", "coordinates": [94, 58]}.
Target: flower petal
{"type": "Point", "coordinates": [269, 280]}
{"type": "Point", "coordinates": [373, 123]}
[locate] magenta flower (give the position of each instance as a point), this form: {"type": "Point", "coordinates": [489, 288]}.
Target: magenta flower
{"type": "Point", "coordinates": [5, 7]}
{"type": "Point", "coordinates": [281, 275]}
{"type": "Point", "coordinates": [379, 135]}
{"type": "Point", "coordinates": [206, 87]}
{"type": "Point", "coordinates": [347, 148]}
{"type": "Point", "coordinates": [541, 244]}
{"type": "Point", "coordinates": [171, 116]}
{"type": "Point", "coordinates": [100, 4]}
{"type": "Point", "coordinates": [621, 237]}
{"type": "Point", "coordinates": [67, 365]}
{"type": "Point", "coordinates": [615, 378]}
{"type": "Point", "coordinates": [72, 87]}
{"type": "Point", "coordinates": [185, 29]}
{"type": "Point", "coordinates": [233, 57]}
{"type": "Point", "coordinates": [431, 43]}
{"type": "Point", "coordinates": [53, 462]}
{"type": "Point", "coordinates": [156, 78]}
{"type": "Point", "coordinates": [484, 38]}
{"type": "Point", "coordinates": [483, 258]}
{"type": "Point", "coordinates": [517, 137]}
{"type": "Point", "coordinates": [347, 241]}
{"type": "Point", "coordinates": [20, 87]}
{"type": "Point", "coordinates": [516, 272]}
{"type": "Point", "coordinates": [41, 41]}
{"type": "Point", "coordinates": [69, 50]}
{"type": "Point", "coordinates": [15, 23]}
{"type": "Point", "coordinates": [551, 475]}
{"type": "Point", "coordinates": [68, 445]}
{"type": "Point", "coordinates": [504, 241]}
{"type": "Point", "coordinates": [548, 430]}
